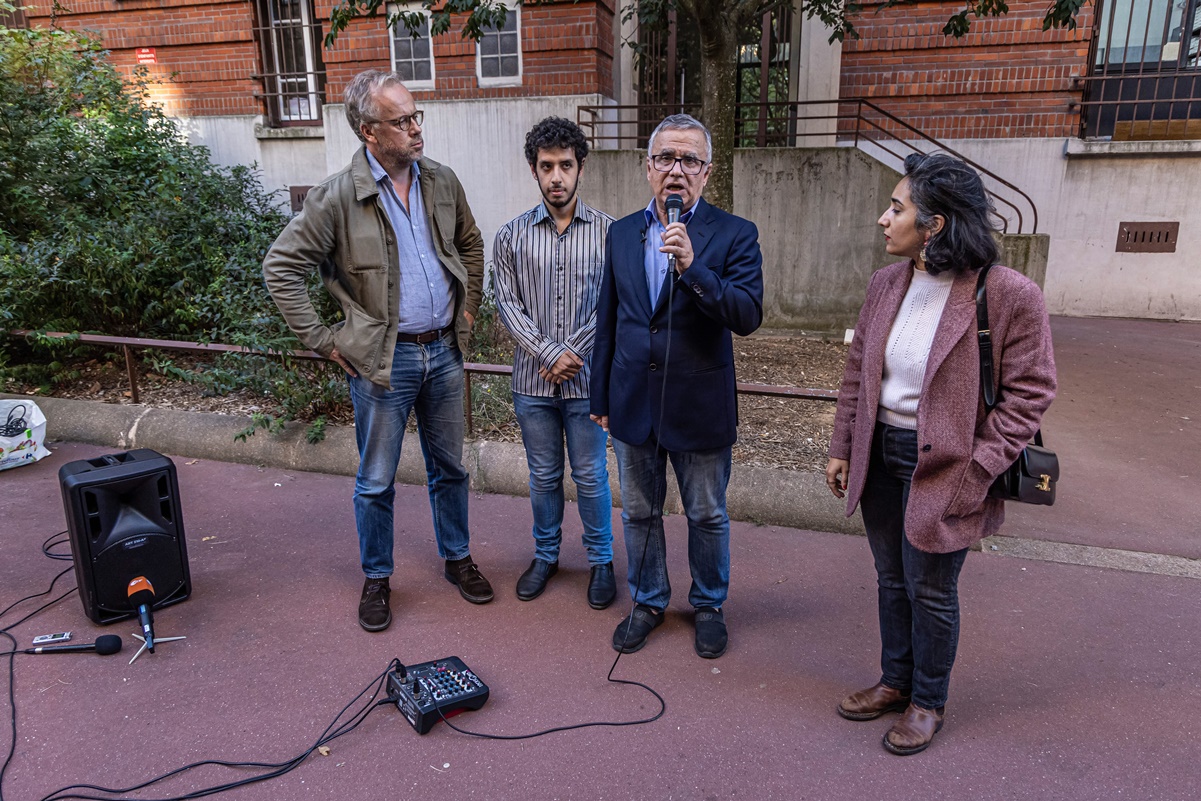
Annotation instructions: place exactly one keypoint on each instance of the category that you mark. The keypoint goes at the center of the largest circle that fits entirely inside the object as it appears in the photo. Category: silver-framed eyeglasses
(406, 122)
(691, 165)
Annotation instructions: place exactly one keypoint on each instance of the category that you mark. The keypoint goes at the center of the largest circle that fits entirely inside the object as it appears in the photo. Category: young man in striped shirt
(547, 266)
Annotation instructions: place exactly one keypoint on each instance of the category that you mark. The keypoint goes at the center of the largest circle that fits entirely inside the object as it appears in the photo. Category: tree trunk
(719, 24)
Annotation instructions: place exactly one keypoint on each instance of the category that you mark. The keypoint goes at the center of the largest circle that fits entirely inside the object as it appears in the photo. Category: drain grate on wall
(1147, 237)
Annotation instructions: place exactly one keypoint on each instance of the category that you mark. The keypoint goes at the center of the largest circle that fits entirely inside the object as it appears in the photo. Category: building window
(412, 50)
(498, 53)
(293, 74)
(1144, 77)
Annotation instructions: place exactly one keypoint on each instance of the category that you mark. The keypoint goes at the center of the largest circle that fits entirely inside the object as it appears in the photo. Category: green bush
(111, 222)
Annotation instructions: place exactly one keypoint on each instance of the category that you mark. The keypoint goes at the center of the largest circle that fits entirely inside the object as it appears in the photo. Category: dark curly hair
(554, 133)
(942, 185)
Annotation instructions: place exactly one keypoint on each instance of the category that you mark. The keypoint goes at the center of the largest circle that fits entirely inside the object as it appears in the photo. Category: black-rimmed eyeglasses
(691, 165)
(406, 122)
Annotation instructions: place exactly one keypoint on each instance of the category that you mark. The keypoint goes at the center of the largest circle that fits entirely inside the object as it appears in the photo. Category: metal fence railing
(129, 345)
(854, 122)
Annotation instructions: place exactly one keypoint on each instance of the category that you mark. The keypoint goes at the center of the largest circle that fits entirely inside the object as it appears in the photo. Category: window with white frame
(412, 50)
(498, 53)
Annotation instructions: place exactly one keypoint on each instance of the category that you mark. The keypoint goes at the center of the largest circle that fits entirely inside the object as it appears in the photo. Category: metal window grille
(293, 74)
(412, 53)
(1144, 78)
(500, 49)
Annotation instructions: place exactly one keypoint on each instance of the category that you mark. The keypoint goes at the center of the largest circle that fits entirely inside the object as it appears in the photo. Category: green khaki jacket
(344, 233)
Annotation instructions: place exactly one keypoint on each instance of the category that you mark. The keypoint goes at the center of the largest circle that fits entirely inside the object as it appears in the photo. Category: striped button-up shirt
(547, 286)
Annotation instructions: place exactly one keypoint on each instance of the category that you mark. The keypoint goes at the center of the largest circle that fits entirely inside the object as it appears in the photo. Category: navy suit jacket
(635, 380)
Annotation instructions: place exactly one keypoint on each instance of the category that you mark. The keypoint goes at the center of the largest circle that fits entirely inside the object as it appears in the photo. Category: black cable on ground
(273, 769)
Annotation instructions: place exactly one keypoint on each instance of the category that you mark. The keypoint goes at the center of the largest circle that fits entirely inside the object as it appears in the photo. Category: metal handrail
(592, 120)
(128, 344)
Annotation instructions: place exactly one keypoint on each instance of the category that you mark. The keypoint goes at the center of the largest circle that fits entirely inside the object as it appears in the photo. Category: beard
(563, 200)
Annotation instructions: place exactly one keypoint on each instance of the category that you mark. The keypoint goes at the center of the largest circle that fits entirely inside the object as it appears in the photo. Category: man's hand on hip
(335, 356)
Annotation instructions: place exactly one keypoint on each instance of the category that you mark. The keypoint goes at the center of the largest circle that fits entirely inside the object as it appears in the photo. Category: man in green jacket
(398, 248)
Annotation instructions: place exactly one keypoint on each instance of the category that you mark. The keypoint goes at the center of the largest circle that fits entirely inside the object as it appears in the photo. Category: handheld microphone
(673, 206)
(105, 644)
(141, 598)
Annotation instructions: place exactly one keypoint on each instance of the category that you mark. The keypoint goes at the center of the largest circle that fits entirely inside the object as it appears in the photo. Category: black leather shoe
(374, 614)
(711, 637)
(602, 587)
(632, 632)
(472, 584)
(533, 580)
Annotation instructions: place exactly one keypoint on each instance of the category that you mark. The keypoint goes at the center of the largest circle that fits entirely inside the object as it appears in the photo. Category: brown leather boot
(873, 702)
(914, 731)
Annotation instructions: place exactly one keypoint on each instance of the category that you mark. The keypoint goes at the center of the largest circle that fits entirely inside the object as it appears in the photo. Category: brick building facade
(215, 58)
(1007, 78)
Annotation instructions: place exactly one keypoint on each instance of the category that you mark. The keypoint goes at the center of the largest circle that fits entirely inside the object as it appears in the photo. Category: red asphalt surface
(1071, 682)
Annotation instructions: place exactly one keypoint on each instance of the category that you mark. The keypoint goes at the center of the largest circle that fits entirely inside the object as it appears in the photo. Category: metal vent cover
(1147, 237)
(297, 194)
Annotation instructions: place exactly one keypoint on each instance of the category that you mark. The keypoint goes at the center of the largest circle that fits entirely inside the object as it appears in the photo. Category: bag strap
(984, 340)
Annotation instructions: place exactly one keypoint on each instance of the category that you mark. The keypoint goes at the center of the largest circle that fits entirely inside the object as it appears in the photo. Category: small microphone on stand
(673, 206)
(141, 598)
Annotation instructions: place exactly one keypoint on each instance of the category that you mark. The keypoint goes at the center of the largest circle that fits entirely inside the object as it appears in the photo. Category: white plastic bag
(22, 433)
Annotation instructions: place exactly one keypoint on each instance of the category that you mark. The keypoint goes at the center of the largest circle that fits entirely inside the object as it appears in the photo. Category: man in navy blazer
(663, 376)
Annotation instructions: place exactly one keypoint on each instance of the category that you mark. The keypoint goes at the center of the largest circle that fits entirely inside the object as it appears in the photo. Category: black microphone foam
(107, 644)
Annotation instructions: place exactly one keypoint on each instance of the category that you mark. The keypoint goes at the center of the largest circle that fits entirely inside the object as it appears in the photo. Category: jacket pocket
(361, 339)
(445, 216)
(973, 491)
(368, 249)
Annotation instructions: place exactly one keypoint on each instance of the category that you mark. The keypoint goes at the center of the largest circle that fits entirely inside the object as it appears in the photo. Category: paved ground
(1072, 683)
(1127, 428)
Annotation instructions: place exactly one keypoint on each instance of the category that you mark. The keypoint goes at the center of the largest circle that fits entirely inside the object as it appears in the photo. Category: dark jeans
(918, 591)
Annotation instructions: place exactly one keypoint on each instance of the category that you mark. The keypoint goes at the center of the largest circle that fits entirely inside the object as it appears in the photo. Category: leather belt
(423, 339)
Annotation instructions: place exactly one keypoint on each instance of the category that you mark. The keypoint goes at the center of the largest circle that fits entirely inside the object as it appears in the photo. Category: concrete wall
(1082, 199)
(816, 210)
(482, 141)
(286, 156)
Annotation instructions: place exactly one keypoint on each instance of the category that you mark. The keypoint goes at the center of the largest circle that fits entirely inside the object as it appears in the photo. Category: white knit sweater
(908, 347)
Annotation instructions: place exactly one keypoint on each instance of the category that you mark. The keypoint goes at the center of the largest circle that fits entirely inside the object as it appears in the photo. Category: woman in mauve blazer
(913, 445)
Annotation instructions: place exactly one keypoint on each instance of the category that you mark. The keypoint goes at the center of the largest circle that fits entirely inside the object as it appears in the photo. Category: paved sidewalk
(1072, 682)
(1127, 427)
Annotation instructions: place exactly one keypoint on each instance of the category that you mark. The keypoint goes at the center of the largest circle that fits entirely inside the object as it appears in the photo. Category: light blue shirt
(427, 298)
(653, 261)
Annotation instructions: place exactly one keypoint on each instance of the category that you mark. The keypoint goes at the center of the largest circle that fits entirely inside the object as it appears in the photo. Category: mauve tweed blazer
(960, 448)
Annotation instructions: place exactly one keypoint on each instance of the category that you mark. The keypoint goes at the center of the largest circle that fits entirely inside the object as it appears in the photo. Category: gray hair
(681, 122)
(359, 97)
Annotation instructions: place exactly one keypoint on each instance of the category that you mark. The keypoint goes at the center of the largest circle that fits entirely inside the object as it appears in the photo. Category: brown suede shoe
(914, 731)
(873, 702)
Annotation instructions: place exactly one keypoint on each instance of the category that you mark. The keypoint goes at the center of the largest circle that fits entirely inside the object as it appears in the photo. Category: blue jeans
(702, 477)
(545, 423)
(429, 379)
(918, 591)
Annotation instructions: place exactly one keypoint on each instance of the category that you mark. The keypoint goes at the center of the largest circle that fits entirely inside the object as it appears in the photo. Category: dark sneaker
(711, 637)
(472, 584)
(602, 587)
(632, 632)
(374, 614)
(533, 580)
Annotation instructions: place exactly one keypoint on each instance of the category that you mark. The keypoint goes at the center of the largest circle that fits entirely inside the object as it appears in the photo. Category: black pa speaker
(124, 521)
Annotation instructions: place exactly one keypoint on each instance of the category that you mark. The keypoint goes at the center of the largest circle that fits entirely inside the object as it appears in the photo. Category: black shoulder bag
(1031, 479)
